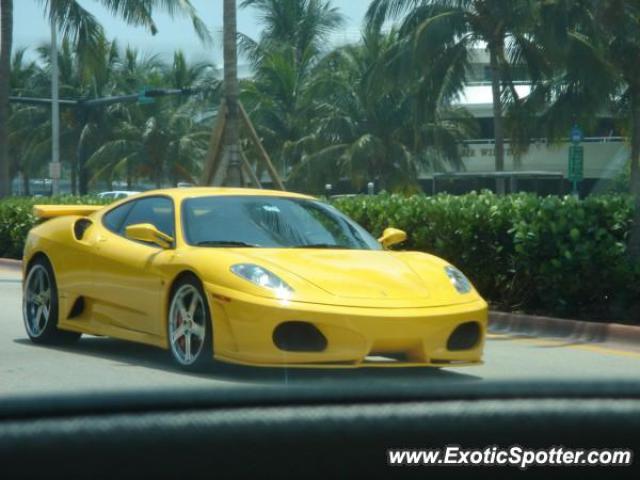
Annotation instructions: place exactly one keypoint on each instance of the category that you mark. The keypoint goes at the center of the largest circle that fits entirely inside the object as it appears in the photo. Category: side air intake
(78, 308)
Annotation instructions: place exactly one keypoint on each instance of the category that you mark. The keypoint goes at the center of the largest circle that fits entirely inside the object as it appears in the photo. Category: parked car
(116, 194)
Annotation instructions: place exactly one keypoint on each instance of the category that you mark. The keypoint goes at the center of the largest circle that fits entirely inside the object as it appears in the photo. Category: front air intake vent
(464, 337)
(299, 337)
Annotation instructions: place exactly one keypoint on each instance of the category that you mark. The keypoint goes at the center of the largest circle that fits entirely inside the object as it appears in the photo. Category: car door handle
(101, 238)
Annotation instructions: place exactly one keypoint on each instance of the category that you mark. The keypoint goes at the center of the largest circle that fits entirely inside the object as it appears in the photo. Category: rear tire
(40, 306)
(189, 327)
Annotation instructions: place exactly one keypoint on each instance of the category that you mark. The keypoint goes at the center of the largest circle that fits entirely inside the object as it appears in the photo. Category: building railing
(487, 83)
(544, 141)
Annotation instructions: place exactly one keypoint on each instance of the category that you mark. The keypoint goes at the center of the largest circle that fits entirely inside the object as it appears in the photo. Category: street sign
(55, 170)
(576, 135)
(143, 99)
(575, 171)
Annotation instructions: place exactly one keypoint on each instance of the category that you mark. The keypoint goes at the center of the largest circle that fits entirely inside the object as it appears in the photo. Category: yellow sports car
(253, 277)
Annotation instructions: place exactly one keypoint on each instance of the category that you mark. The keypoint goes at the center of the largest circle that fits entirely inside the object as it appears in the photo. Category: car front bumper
(244, 327)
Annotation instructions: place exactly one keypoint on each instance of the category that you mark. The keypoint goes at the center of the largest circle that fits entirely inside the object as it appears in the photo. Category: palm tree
(29, 142)
(82, 28)
(6, 34)
(291, 44)
(136, 70)
(369, 126)
(502, 26)
(83, 129)
(26, 122)
(280, 101)
(22, 79)
(231, 90)
(303, 25)
(619, 21)
(175, 125)
(23, 73)
(597, 71)
(166, 140)
(168, 144)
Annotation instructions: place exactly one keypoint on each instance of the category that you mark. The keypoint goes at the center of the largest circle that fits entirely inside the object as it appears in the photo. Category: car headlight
(261, 277)
(458, 280)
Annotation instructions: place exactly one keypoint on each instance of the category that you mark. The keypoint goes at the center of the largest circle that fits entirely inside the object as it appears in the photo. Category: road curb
(575, 330)
(11, 264)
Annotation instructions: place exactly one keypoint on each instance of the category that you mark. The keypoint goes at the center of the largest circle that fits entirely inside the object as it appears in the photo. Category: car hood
(361, 277)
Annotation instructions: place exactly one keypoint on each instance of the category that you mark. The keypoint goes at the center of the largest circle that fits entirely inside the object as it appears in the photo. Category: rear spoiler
(50, 211)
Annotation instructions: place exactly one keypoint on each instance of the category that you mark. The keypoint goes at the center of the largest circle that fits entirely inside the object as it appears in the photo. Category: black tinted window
(113, 220)
(157, 211)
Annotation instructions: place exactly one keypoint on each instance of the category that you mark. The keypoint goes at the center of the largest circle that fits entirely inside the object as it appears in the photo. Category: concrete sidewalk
(10, 270)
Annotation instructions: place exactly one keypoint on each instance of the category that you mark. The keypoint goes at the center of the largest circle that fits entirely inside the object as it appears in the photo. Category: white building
(605, 155)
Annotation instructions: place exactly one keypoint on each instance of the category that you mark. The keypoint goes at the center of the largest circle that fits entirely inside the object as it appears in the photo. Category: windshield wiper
(224, 243)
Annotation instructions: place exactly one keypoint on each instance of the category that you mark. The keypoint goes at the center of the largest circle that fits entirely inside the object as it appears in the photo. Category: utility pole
(575, 170)
(54, 167)
(6, 34)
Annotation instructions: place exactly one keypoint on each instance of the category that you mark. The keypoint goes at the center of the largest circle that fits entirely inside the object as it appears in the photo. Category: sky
(31, 29)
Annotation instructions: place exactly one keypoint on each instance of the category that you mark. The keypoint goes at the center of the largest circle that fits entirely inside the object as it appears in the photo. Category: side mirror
(391, 236)
(146, 232)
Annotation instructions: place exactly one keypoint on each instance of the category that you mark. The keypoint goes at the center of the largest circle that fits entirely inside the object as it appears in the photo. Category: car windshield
(270, 222)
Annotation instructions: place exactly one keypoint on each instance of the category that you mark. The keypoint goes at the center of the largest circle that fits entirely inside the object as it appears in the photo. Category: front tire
(40, 306)
(189, 326)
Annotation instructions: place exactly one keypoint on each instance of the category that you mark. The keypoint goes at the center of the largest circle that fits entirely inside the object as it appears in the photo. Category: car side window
(114, 218)
(157, 211)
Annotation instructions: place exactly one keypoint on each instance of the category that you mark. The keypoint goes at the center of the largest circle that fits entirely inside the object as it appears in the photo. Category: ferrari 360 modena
(252, 277)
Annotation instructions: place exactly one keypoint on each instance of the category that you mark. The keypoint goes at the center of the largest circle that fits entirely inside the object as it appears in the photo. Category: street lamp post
(54, 167)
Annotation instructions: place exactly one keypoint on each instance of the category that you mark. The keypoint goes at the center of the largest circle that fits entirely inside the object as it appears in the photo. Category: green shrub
(16, 219)
(548, 255)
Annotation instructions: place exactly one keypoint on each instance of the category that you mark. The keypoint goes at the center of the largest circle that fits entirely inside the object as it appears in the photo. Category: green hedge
(547, 255)
(16, 219)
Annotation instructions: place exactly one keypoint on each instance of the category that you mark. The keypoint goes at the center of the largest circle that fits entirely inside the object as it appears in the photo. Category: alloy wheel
(187, 324)
(36, 304)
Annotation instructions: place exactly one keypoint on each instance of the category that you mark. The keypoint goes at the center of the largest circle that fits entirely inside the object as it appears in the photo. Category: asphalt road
(99, 364)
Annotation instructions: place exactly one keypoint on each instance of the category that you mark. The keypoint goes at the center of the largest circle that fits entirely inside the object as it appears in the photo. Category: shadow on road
(131, 354)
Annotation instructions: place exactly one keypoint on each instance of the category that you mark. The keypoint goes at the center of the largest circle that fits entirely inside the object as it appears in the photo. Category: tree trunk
(129, 177)
(74, 178)
(83, 177)
(25, 183)
(495, 49)
(232, 143)
(6, 38)
(517, 161)
(634, 183)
